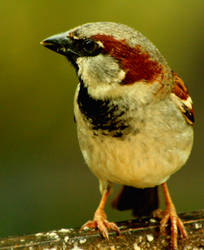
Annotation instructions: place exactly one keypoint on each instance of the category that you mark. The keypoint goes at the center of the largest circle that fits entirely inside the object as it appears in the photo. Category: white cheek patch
(100, 72)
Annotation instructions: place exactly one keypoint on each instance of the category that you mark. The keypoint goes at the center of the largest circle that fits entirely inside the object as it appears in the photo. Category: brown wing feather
(182, 98)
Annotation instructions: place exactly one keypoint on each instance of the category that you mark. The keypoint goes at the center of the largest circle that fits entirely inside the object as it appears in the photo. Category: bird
(134, 119)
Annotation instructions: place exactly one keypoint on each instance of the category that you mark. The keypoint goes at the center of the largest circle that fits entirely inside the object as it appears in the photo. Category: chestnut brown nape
(137, 63)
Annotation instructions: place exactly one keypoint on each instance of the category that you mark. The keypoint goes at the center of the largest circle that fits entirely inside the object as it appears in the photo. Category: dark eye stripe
(86, 47)
(89, 45)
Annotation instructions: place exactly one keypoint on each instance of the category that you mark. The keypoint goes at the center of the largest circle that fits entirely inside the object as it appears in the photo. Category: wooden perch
(136, 234)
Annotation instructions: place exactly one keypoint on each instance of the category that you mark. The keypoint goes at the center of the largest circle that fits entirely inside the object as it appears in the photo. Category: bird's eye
(90, 47)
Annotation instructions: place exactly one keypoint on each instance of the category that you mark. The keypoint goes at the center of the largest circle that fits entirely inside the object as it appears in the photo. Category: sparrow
(134, 118)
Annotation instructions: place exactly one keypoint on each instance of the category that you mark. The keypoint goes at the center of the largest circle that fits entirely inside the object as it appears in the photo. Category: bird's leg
(100, 221)
(170, 214)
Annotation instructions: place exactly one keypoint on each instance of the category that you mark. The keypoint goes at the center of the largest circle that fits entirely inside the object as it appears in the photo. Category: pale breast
(146, 155)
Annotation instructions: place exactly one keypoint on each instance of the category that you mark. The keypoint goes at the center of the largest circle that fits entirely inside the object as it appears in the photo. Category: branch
(136, 234)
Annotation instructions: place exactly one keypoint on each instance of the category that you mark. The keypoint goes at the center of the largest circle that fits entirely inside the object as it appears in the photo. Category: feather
(182, 99)
(141, 201)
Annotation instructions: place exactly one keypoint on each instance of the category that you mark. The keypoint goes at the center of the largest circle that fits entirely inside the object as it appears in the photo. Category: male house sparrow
(134, 118)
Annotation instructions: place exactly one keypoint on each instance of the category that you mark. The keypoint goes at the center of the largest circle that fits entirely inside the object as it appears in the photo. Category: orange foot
(176, 223)
(101, 223)
(169, 214)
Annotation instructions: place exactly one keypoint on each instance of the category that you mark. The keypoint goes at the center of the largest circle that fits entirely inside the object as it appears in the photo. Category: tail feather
(142, 201)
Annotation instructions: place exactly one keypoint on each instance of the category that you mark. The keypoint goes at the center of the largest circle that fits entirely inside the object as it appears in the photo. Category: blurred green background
(44, 183)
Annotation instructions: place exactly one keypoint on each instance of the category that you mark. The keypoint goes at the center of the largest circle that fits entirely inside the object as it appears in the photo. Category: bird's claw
(170, 214)
(103, 225)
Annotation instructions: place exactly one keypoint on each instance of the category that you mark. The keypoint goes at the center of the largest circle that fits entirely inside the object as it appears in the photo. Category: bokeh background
(44, 183)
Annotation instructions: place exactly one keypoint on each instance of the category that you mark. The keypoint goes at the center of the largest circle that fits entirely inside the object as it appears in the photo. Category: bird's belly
(151, 149)
(136, 160)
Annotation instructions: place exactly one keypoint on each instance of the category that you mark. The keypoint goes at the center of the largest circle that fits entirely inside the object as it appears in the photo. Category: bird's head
(108, 55)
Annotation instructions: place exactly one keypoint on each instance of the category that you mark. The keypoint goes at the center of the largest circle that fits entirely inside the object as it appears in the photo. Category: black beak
(61, 44)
